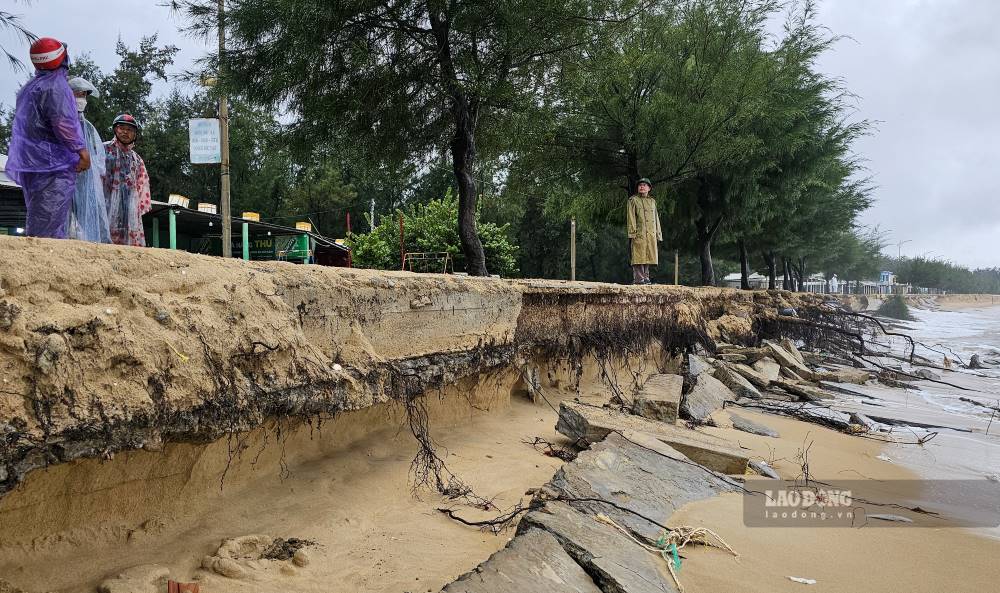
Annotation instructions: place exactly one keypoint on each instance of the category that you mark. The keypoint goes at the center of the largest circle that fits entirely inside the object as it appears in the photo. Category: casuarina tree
(407, 79)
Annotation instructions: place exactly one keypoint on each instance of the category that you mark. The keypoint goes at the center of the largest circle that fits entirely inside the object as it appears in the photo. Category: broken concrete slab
(648, 483)
(660, 398)
(804, 391)
(792, 349)
(615, 562)
(736, 382)
(707, 396)
(845, 375)
(532, 561)
(768, 368)
(787, 360)
(698, 365)
(747, 425)
(732, 357)
(590, 424)
(790, 374)
(758, 380)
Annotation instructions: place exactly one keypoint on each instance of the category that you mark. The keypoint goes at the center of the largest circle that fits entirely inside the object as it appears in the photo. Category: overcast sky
(925, 70)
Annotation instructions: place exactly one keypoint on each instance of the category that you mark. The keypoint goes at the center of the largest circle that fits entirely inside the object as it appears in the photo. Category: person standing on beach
(47, 147)
(88, 218)
(126, 184)
(643, 232)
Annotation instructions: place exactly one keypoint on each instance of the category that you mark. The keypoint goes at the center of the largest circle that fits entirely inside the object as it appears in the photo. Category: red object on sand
(175, 587)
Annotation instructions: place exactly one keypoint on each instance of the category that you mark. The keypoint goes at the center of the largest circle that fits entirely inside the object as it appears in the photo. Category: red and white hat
(47, 53)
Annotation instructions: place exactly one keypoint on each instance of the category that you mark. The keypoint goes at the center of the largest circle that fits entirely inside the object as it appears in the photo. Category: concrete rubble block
(792, 349)
(697, 365)
(589, 424)
(804, 391)
(768, 368)
(845, 375)
(732, 357)
(758, 380)
(707, 396)
(660, 398)
(532, 561)
(790, 374)
(642, 479)
(787, 360)
(735, 381)
(747, 425)
(615, 562)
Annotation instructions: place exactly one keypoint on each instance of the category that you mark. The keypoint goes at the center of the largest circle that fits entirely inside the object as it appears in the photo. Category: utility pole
(572, 249)
(677, 268)
(372, 219)
(227, 216)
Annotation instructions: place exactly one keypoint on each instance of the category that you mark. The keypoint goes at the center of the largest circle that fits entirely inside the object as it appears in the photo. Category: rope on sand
(673, 540)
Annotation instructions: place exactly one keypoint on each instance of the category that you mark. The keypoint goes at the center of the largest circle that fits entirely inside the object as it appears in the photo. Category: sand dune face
(106, 349)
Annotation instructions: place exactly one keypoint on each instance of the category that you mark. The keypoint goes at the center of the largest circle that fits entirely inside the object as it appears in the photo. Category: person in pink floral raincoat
(126, 184)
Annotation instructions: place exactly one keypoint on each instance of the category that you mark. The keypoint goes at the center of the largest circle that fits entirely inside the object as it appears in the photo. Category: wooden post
(572, 249)
(677, 268)
(172, 227)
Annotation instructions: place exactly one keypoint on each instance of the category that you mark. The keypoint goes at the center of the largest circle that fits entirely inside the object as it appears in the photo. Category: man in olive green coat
(643, 231)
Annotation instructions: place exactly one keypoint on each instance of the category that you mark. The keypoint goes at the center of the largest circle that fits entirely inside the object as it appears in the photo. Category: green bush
(432, 227)
(895, 307)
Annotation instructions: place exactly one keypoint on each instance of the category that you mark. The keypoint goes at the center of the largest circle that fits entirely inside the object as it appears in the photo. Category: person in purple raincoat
(47, 147)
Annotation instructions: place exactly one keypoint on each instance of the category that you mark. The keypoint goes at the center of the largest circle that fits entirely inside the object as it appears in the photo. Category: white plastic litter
(803, 581)
(884, 457)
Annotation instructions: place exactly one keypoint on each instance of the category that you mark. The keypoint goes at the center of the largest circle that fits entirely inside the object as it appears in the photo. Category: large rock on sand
(698, 366)
(660, 398)
(707, 396)
(532, 561)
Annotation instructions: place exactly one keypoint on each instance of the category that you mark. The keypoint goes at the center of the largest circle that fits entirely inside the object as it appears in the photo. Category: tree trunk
(463, 154)
(706, 233)
(744, 265)
(772, 269)
(786, 282)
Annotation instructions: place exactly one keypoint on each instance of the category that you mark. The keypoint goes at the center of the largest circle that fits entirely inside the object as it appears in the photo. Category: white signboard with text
(206, 141)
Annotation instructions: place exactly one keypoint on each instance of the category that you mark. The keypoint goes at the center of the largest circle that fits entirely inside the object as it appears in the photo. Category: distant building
(756, 281)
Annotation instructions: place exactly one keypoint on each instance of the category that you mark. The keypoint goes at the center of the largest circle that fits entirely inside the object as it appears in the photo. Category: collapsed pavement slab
(804, 391)
(532, 561)
(698, 366)
(645, 480)
(708, 395)
(736, 382)
(660, 398)
(590, 424)
(768, 368)
(787, 360)
(615, 562)
(747, 425)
